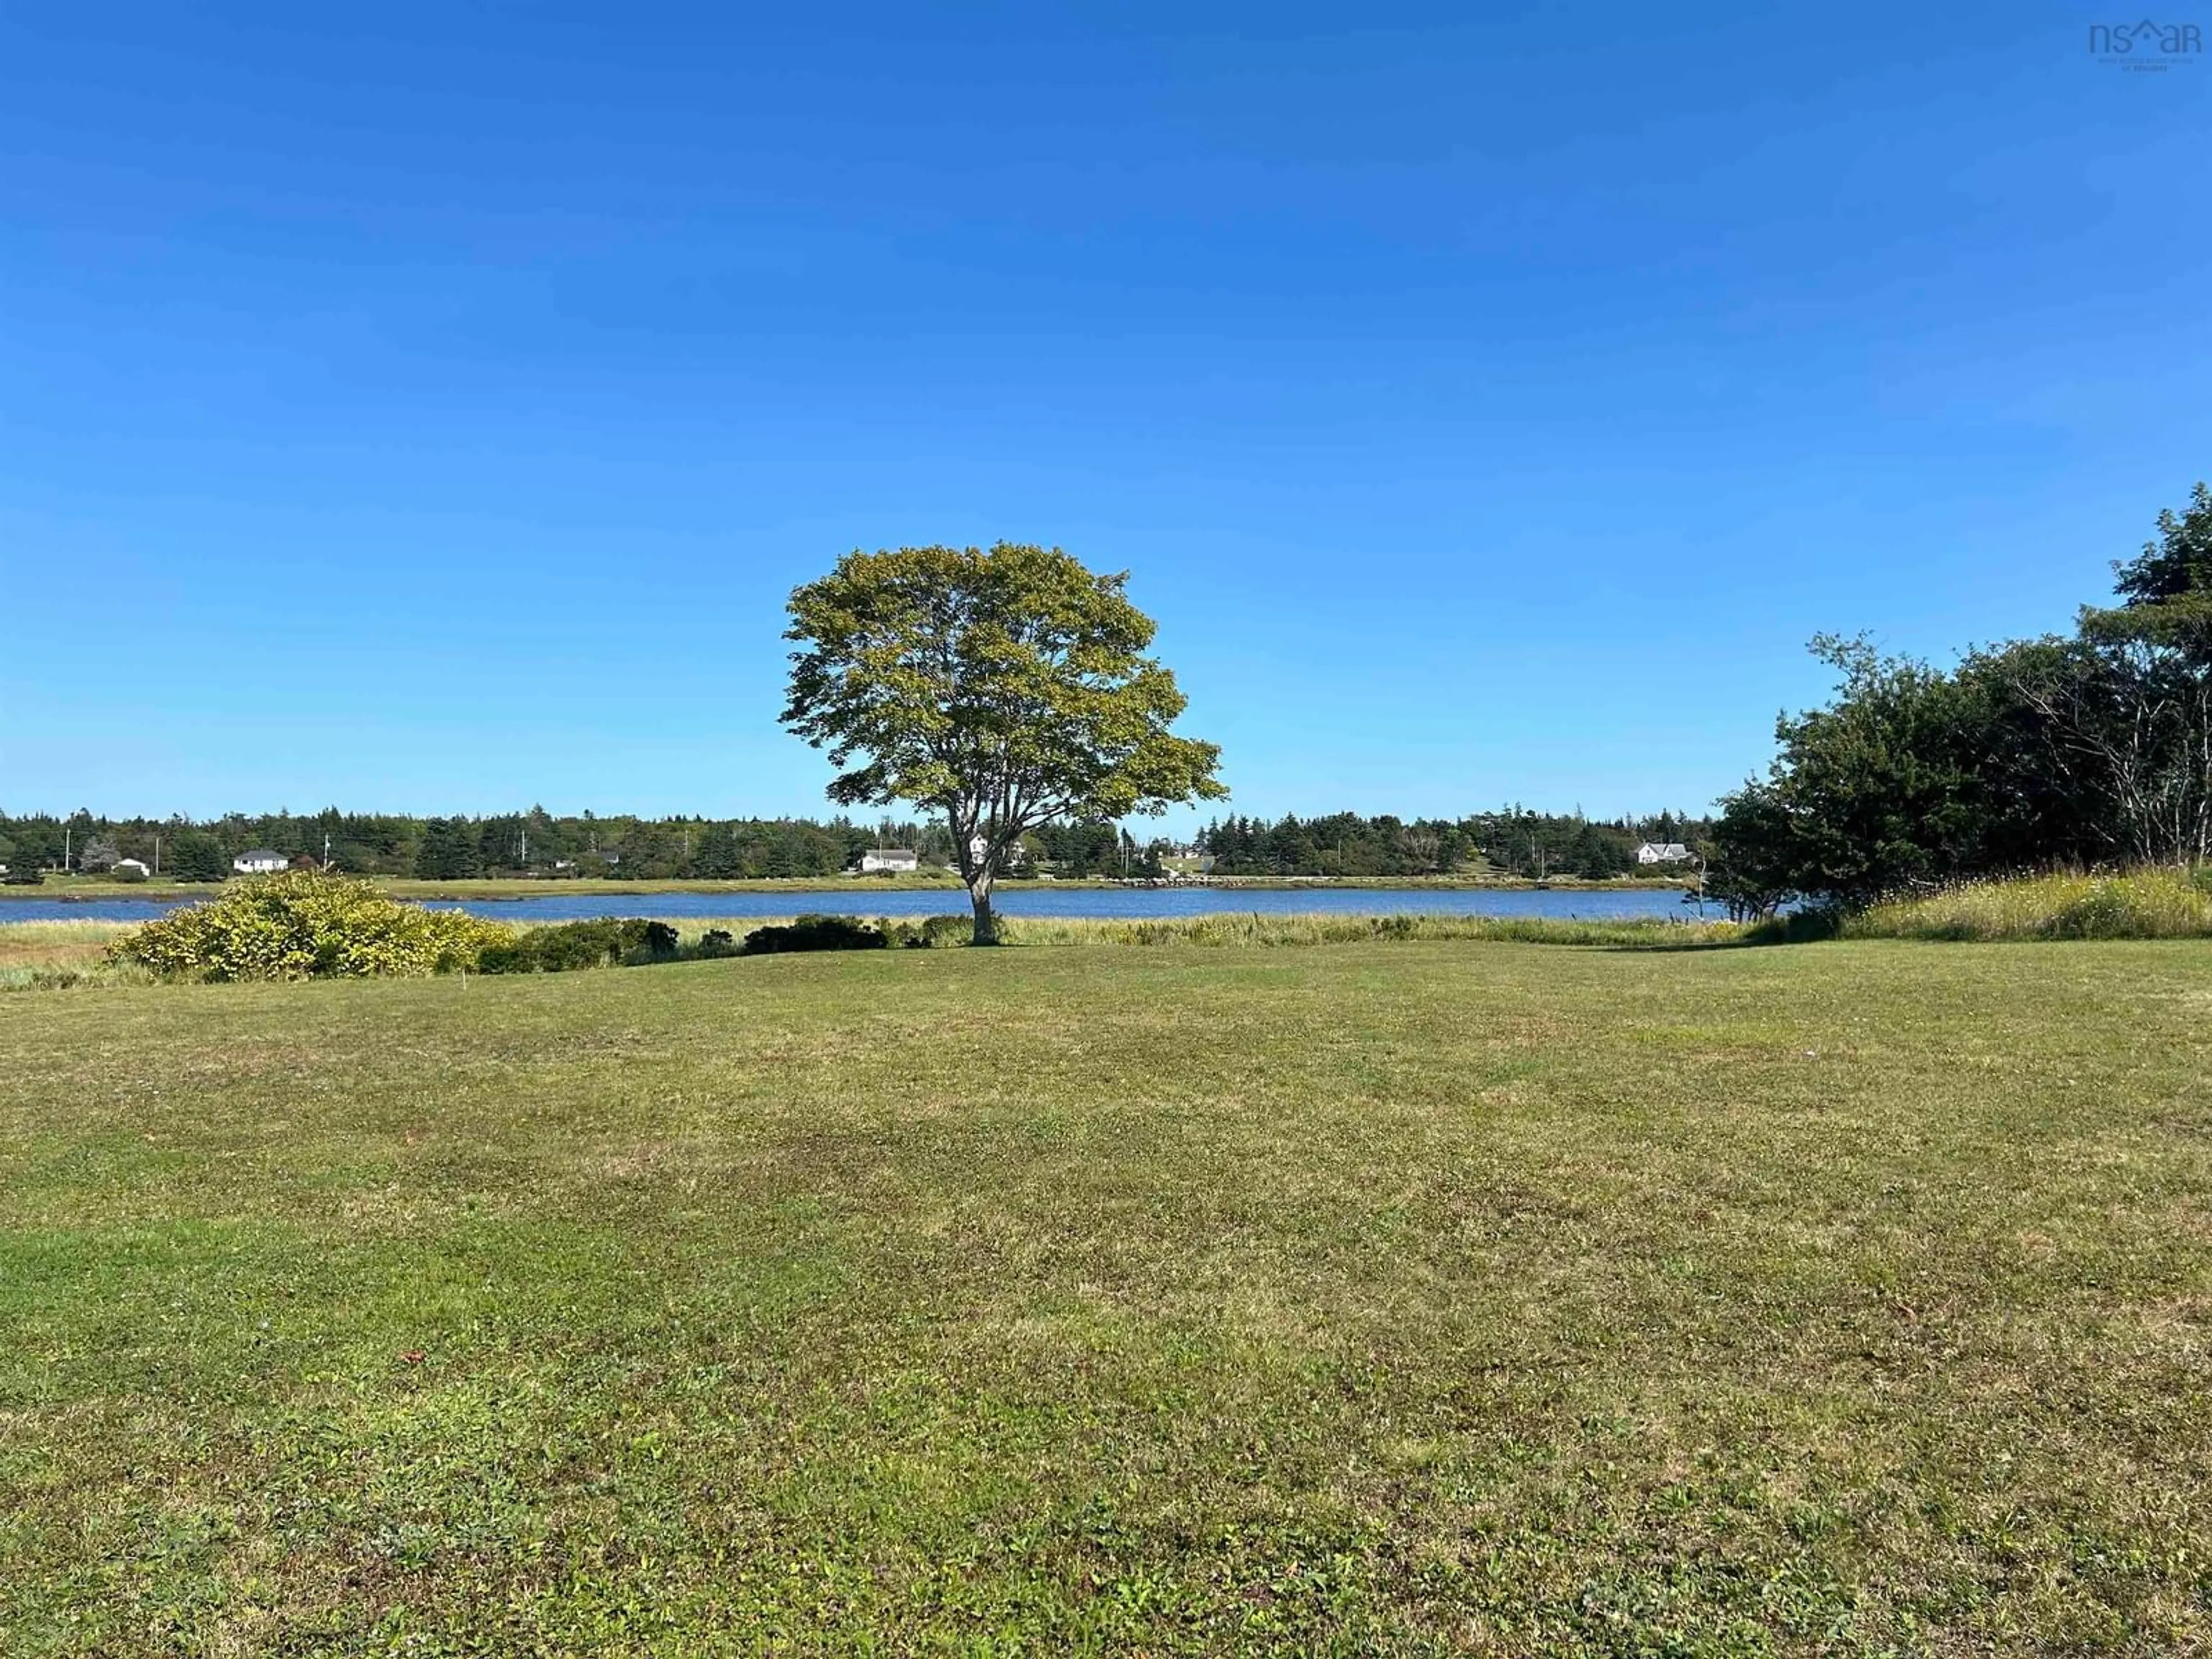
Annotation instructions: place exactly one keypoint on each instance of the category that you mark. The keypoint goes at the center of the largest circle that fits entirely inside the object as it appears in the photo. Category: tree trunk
(987, 925)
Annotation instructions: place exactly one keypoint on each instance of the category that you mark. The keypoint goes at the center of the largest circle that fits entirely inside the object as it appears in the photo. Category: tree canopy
(1005, 688)
(2085, 749)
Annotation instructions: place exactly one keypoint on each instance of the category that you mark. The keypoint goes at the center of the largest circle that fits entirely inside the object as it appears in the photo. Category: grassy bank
(64, 955)
(60, 953)
(1417, 1299)
(2139, 904)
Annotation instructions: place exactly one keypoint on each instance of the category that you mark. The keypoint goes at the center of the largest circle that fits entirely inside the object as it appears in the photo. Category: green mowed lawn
(1850, 1298)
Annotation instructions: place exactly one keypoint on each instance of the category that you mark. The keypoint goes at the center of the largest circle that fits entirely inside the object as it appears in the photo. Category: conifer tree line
(1513, 840)
(532, 843)
(537, 843)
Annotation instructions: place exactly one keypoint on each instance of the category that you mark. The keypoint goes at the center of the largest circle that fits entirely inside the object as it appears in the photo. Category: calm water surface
(1112, 902)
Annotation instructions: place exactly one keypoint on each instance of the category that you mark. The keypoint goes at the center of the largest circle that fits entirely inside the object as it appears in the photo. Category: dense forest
(1513, 840)
(539, 844)
(532, 843)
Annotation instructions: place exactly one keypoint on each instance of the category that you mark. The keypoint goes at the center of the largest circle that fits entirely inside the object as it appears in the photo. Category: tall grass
(41, 955)
(2135, 905)
(1248, 928)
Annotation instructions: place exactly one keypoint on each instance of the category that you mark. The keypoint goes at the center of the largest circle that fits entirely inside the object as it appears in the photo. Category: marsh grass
(58, 955)
(1247, 928)
(2064, 905)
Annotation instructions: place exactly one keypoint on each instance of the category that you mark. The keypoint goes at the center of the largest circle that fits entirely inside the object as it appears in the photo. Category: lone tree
(1004, 689)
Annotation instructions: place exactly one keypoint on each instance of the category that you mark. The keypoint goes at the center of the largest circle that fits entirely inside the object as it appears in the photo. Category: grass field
(1414, 1297)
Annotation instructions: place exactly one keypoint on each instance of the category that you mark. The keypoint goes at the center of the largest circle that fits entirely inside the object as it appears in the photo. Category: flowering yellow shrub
(301, 925)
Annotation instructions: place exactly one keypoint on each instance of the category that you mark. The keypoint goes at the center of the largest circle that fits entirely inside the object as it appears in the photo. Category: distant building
(896, 860)
(1662, 852)
(261, 862)
(127, 867)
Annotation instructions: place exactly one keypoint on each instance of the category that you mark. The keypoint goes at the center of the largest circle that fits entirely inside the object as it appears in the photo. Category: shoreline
(494, 889)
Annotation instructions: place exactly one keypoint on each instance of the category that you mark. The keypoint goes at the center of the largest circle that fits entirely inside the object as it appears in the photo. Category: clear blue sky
(429, 407)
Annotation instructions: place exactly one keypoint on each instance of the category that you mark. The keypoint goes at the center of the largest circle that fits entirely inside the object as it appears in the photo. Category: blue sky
(428, 408)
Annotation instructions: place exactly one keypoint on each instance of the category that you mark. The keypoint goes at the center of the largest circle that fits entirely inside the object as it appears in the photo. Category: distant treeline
(532, 843)
(1513, 840)
(537, 843)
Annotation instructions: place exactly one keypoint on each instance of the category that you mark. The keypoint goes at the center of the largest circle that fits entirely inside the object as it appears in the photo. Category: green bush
(930, 932)
(302, 925)
(24, 877)
(814, 933)
(597, 942)
(561, 948)
(717, 942)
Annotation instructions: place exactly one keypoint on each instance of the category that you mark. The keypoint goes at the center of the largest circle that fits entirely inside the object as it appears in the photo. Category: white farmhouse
(892, 861)
(261, 861)
(1662, 852)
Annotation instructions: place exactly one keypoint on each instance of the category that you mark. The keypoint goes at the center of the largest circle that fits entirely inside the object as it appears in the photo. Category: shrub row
(814, 932)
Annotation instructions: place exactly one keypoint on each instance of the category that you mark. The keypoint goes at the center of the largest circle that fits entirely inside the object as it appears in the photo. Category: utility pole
(157, 852)
(65, 849)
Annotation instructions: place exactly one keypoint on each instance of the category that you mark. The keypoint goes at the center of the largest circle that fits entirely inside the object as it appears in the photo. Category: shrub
(302, 925)
(561, 947)
(717, 942)
(23, 878)
(814, 933)
(596, 942)
(930, 932)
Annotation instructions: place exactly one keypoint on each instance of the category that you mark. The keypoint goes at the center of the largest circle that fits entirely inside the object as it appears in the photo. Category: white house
(896, 860)
(128, 867)
(1662, 852)
(261, 861)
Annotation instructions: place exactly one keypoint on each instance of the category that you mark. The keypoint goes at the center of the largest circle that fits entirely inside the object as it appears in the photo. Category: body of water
(1619, 904)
